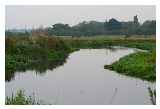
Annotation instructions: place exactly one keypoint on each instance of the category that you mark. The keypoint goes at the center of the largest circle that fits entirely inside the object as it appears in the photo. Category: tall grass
(20, 99)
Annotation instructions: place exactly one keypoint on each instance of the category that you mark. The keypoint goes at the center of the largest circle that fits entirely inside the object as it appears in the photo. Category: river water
(83, 80)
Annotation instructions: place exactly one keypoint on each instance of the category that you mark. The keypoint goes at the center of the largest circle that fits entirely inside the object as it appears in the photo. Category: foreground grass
(20, 99)
(139, 64)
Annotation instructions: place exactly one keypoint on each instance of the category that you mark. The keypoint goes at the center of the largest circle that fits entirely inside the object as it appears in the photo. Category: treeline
(111, 27)
(91, 28)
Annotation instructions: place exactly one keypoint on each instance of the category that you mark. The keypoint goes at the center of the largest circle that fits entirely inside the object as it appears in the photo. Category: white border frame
(3, 3)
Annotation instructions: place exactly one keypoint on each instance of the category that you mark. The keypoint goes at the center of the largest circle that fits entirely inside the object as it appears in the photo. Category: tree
(148, 27)
(60, 29)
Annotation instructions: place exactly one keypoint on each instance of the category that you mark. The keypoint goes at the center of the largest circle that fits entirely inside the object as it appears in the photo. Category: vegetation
(139, 64)
(96, 42)
(152, 94)
(20, 99)
(30, 52)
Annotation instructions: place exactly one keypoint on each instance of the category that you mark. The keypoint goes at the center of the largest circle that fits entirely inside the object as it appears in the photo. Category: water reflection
(38, 67)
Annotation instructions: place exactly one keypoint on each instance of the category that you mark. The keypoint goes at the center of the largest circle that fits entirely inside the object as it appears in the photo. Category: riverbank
(34, 53)
(140, 64)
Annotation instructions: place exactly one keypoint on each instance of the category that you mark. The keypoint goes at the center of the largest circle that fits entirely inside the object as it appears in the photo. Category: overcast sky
(35, 16)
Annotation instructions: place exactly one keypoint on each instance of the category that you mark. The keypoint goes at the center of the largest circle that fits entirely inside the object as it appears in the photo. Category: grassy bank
(140, 64)
(35, 53)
